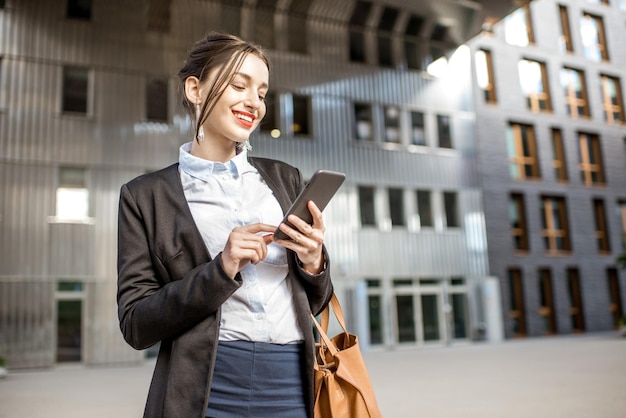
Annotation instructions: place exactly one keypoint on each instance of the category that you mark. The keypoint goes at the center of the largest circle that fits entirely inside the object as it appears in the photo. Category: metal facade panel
(115, 143)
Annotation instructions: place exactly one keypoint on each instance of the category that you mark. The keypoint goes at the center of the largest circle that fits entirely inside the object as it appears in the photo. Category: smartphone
(320, 189)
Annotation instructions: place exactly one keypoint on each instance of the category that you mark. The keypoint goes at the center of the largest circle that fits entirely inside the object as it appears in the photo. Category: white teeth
(244, 117)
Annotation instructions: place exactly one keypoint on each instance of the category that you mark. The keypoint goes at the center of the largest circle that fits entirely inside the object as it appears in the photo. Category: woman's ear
(192, 90)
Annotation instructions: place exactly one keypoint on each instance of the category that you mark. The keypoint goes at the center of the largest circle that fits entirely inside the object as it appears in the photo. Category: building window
(392, 124)
(270, 123)
(79, 9)
(264, 29)
(444, 131)
(593, 38)
(605, 2)
(517, 217)
(412, 42)
(72, 197)
(363, 122)
(396, 207)
(374, 298)
(424, 208)
(517, 310)
(554, 223)
(484, 75)
(621, 210)
(522, 150)
(534, 82)
(590, 157)
(558, 150)
(75, 89)
(575, 91)
(451, 206)
(367, 206)
(297, 41)
(612, 102)
(615, 295)
(157, 100)
(576, 313)
(358, 20)
(418, 136)
(518, 28)
(546, 301)
(301, 115)
(439, 43)
(385, 36)
(565, 41)
(602, 228)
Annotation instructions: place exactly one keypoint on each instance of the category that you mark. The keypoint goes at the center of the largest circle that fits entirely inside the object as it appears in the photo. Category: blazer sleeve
(153, 304)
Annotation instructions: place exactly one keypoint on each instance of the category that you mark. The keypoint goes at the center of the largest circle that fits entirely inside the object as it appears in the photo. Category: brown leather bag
(342, 384)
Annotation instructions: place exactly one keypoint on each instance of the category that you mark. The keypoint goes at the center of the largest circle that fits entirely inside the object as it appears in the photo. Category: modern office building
(551, 137)
(89, 100)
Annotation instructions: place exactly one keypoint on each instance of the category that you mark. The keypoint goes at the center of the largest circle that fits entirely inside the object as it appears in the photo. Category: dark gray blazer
(170, 290)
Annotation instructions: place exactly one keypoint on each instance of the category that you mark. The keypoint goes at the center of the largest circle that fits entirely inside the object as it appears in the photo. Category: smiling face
(241, 106)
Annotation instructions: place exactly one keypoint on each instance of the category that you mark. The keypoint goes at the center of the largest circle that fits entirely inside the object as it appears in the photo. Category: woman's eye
(262, 98)
(238, 87)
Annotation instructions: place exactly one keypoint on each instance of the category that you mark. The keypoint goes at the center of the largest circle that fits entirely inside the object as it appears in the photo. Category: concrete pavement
(566, 376)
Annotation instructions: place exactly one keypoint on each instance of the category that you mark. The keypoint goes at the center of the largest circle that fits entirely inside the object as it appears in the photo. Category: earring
(245, 145)
(199, 128)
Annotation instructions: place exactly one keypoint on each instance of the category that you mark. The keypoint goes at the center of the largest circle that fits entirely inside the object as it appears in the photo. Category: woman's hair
(218, 51)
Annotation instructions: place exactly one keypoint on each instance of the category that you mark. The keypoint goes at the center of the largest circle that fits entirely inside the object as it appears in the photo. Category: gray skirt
(257, 380)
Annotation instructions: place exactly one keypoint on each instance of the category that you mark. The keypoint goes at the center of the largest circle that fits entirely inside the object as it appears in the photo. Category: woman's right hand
(245, 245)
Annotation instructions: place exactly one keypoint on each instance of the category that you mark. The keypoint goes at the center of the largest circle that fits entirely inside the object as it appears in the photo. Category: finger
(318, 220)
(256, 228)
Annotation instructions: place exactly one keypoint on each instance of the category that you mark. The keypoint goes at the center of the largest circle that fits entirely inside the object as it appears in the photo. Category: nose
(252, 100)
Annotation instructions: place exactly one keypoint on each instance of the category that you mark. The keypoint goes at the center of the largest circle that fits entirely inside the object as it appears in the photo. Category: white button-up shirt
(222, 196)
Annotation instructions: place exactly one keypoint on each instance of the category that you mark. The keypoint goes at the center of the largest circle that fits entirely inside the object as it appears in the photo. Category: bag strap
(323, 328)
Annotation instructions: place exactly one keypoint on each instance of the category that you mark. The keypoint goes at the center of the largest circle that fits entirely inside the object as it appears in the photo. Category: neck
(214, 152)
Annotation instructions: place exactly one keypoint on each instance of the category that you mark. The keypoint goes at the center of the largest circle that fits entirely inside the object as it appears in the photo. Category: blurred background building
(426, 229)
(552, 148)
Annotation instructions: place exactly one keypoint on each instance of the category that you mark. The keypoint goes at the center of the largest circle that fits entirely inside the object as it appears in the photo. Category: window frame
(575, 106)
(444, 131)
(149, 98)
(307, 127)
(589, 149)
(518, 161)
(600, 45)
(538, 100)
(612, 105)
(395, 126)
(397, 212)
(565, 39)
(73, 95)
(355, 112)
(369, 220)
(451, 208)
(519, 231)
(487, 85)
(559, 161)
(551, 205)
(425, 208)
(601, 226)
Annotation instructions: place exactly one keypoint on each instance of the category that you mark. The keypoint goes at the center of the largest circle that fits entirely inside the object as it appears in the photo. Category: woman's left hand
(306, 240)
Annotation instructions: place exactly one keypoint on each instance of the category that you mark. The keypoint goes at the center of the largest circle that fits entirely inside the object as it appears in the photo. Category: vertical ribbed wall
(114, 144)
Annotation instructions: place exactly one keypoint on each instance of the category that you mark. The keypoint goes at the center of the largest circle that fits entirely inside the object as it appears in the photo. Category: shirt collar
(203, 169)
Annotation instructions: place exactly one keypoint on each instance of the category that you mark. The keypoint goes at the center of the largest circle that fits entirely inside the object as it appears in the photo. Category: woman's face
(241, 107)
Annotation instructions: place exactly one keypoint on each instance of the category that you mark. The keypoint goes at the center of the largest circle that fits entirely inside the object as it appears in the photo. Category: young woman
(199, 269)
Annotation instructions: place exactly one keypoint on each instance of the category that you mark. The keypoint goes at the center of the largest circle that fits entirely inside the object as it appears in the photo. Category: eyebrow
(249, 78)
